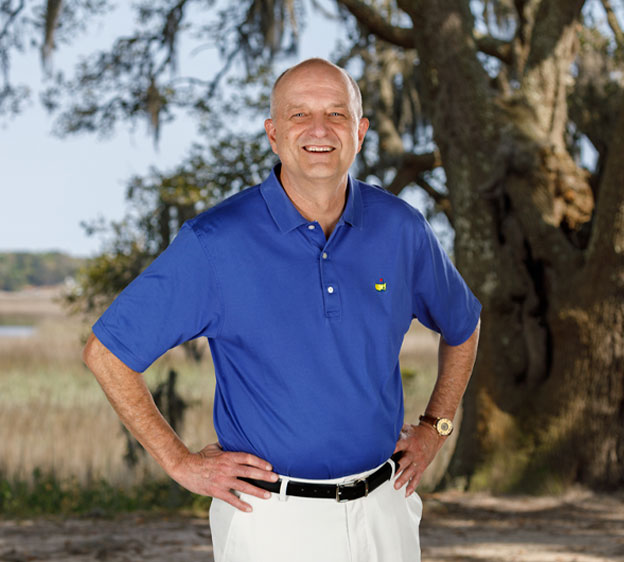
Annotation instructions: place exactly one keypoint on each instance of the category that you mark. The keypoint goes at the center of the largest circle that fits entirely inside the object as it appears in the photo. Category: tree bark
(546, 404)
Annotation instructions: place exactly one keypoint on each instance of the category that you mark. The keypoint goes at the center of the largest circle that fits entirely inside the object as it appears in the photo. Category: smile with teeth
(318, 148)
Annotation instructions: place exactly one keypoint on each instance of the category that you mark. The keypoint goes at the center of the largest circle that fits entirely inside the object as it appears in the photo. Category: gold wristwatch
(443, 426)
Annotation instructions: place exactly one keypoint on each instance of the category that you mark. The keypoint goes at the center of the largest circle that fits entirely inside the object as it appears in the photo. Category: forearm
(455, 365)
(209, 472)
(420, 443)
(130, 397)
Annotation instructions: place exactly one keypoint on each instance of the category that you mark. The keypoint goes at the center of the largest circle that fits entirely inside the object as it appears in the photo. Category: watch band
(428, 419)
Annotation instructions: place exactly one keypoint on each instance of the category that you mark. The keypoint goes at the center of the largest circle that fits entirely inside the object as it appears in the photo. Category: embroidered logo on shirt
(381, 286)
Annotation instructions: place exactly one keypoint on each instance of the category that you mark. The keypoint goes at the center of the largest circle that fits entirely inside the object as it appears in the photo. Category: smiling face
(316, 128)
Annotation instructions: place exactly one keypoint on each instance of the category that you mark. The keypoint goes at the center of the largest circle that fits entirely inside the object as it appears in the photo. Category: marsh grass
(61, 444)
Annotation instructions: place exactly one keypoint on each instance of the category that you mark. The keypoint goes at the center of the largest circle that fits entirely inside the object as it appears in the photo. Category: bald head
(315, 63)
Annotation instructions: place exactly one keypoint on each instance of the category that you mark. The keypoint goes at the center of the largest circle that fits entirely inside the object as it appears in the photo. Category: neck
(321, 201)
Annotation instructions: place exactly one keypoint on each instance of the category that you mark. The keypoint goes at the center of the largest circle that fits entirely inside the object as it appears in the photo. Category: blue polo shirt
(304, 332)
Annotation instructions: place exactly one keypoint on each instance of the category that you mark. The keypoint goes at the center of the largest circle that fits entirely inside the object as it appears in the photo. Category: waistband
(346, 488)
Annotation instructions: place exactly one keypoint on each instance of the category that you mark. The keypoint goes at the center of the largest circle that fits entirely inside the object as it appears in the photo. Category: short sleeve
(442, 300)
(175, 299)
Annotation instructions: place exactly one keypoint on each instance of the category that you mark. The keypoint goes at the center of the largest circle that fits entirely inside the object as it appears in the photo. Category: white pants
(382, 527)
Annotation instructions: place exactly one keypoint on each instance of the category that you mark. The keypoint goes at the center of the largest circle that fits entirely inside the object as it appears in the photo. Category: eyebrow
(291, 107)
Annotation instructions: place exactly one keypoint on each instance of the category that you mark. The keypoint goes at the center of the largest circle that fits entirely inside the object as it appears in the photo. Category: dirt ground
(577, 527)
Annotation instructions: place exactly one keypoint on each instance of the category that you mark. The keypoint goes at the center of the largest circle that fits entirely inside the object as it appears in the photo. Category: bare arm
(420, 443)
(210, 472)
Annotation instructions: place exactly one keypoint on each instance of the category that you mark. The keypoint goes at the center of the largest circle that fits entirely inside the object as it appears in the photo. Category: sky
(49, 185)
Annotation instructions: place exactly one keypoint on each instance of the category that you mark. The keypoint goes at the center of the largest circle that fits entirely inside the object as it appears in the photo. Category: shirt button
(330, 289)
(324, 255)
(311, 227)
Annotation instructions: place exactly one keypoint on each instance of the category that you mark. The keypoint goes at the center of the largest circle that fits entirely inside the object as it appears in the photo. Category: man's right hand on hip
(215, 472)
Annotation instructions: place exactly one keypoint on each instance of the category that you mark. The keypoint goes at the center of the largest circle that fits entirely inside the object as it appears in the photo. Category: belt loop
(393, 465)
(283, 486)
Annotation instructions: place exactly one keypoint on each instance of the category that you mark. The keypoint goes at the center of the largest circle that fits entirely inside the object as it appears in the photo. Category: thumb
(400, 446)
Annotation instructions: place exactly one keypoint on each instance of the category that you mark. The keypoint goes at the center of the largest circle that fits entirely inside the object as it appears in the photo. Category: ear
(269, 127)
(362, 128)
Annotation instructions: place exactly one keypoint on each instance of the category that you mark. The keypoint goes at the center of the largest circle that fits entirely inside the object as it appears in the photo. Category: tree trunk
(546, 404)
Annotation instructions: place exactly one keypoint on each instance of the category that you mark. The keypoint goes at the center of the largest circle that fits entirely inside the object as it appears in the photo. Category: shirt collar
(286, 215)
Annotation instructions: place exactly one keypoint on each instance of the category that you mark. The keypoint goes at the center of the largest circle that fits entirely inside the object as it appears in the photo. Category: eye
(299, 114)
(336, 114)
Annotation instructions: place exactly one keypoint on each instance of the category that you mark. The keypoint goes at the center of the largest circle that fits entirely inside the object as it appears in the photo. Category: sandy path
(578, 527)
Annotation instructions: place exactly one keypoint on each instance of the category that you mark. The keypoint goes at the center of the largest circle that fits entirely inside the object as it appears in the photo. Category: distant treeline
(22, 269)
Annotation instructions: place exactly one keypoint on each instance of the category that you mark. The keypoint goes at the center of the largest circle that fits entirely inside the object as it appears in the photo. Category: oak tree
(487, 107)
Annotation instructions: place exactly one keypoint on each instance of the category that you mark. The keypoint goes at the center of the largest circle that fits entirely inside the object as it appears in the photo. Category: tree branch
(169, 33)
(607, 242)
(553, 48)
(377, 24)
(411, 171)
(11, 16)
(411, 168)
(442, 201)
(52, 13)
(494, 47)
(613, 23)
(552, 20)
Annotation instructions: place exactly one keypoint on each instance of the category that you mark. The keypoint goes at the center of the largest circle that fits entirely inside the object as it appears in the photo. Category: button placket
(315, 234)
(329, 285)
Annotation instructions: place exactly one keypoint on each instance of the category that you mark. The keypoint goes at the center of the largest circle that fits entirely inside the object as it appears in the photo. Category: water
(16, 331)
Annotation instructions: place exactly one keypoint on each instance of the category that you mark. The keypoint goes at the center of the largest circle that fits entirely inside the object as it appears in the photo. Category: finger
(404, 462)
(400, 446)
(398, 454)
(405, 476)
(250, 460)
(247, 488)
(255, 473)
(234, 500)
(402, 442)
(413, 484)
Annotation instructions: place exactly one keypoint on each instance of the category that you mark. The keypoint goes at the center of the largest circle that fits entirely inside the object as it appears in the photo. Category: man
(305, 286)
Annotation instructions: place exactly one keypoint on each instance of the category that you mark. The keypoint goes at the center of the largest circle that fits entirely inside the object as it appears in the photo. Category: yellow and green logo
(381, 286)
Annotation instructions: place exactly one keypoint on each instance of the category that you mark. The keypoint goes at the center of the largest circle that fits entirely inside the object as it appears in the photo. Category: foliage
(137, 77)
(22, 269)
(38, 25)
(47, 495)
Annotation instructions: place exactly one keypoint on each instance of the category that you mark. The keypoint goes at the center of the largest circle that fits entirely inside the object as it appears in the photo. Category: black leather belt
(340, 492)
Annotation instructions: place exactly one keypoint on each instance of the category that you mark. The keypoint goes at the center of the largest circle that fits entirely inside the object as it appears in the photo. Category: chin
(323, 175)
(322, 170)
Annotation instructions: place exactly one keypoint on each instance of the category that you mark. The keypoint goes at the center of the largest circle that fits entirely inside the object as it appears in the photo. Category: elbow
(474, 338)
(88, 350)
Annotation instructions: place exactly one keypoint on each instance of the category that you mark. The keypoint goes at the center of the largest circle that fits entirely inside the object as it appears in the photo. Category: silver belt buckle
(353, 484)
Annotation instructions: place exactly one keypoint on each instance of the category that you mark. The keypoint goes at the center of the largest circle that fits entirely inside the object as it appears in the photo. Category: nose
(318, 126)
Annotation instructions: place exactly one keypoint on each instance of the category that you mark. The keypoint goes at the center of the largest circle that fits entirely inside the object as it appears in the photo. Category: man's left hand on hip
(420, 444)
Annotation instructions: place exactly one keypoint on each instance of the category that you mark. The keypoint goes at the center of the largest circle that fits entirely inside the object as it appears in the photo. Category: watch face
(444, 426)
